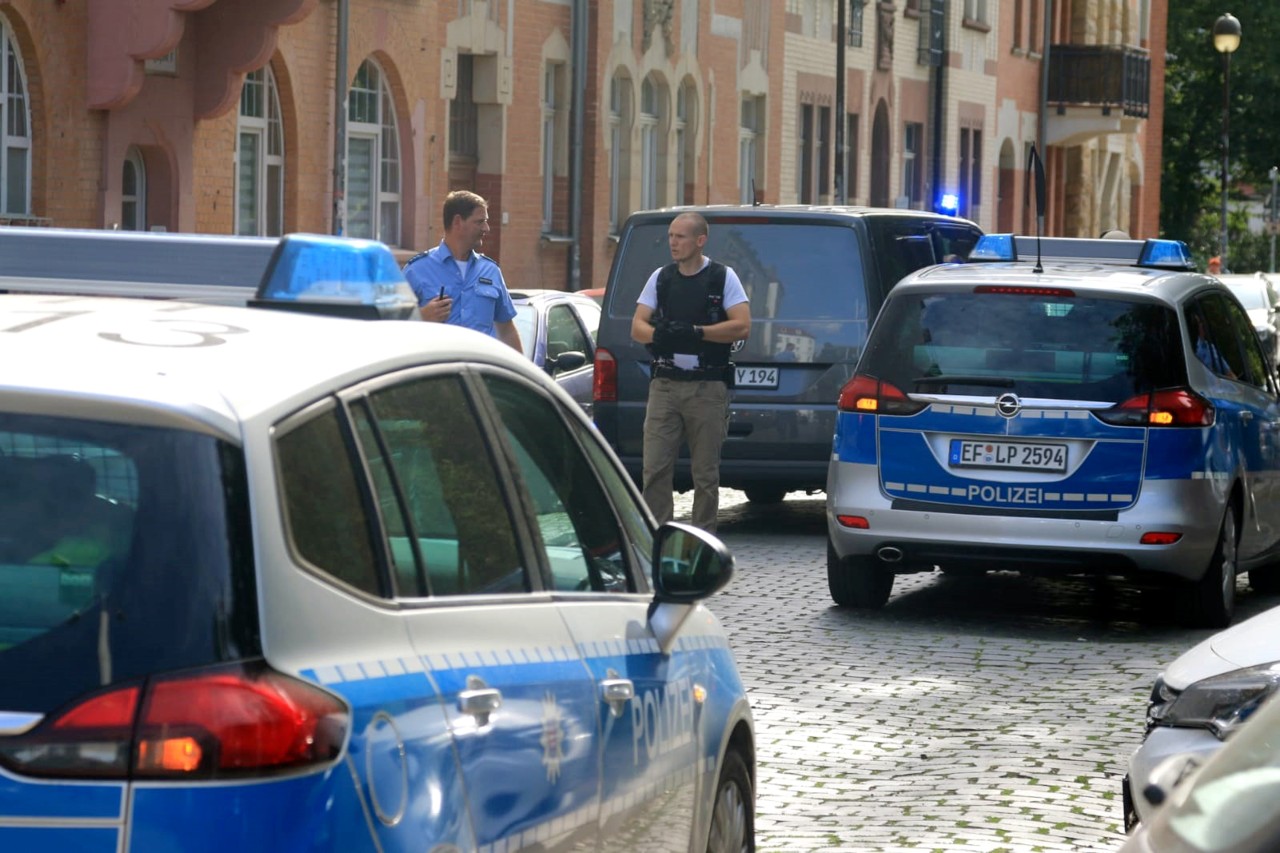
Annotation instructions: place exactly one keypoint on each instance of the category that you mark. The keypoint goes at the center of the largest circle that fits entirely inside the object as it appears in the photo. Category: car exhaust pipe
(890, 554)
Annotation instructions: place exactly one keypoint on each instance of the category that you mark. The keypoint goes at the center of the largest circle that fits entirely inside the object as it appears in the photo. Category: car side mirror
(565, 362)
(689, 564)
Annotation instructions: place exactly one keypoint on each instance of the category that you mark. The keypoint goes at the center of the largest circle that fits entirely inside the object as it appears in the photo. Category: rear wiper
(948, 379)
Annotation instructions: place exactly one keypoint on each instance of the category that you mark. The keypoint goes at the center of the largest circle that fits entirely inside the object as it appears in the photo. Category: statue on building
(884, 35)
(659, 14)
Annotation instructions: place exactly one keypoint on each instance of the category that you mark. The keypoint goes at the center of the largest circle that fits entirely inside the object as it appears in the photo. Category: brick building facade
(224, 116)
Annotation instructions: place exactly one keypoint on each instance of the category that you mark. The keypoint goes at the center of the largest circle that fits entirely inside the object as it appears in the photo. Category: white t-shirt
(734, 294)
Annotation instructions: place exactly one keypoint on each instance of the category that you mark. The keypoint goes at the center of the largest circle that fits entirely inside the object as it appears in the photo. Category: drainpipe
(1042, 147)
(841, 196)
(938, 74)
(579, 48)
(340, 123)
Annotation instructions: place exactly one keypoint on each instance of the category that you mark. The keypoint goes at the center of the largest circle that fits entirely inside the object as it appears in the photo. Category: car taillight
(868, 395)
(604, 384)
(241, 719)
(1169, 407)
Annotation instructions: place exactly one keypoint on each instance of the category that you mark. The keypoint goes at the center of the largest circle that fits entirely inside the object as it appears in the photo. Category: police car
(281, 582)
(1064, 406)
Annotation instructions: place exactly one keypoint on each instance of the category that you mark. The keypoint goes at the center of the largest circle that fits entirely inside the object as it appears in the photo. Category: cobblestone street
(985, 714)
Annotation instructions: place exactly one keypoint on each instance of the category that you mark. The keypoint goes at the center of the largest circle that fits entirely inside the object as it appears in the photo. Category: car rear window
(1035, 345)
(124, 550)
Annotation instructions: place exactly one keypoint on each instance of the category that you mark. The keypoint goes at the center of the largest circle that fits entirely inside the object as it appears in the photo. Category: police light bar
(1153, 253)
(336, 276)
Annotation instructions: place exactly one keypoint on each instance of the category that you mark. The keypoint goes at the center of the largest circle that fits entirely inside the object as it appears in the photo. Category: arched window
(651, 153)
(260, 157)
(133, 192)
(619, 150)
(15, 129)
(373, 159)
(750, 149)
(686, 126)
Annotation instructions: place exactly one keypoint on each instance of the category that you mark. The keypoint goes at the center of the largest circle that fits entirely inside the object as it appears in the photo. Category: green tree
(1190, 185)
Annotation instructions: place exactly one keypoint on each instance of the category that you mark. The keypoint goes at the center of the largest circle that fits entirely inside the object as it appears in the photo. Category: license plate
(755, 377)
(1024, 456)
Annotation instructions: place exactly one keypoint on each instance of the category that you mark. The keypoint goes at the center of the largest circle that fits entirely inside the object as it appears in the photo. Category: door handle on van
(740, 429)
(479, 700)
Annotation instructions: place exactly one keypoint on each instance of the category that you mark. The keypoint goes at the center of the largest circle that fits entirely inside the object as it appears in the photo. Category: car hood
(1252, 642)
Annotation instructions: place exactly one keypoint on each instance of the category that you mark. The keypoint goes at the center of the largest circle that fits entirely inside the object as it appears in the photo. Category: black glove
(677, 335)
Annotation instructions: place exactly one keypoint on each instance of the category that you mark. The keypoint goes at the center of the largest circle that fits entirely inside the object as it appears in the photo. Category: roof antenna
(1035, 169)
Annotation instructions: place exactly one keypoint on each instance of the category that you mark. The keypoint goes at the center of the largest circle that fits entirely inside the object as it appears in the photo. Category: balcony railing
(1108, 76)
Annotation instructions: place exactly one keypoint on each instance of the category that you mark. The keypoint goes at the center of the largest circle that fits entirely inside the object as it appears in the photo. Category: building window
(15, 129)
(750, 151)
(804, 160)
(912, 133)
(970, 172)
(855, 25)
(1017, 25)
(260, 158)
(824, 151)
(1033, 26)
(650, 193)
(166, 65)
(463, 116)
(685, 128)
(851, 157)
(975, 11)
(554, 121)
(133, 193)
(373, 159)
(619, 150)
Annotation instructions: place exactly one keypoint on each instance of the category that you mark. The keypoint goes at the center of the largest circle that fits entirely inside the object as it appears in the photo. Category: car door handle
(616, 692)
(479, 700)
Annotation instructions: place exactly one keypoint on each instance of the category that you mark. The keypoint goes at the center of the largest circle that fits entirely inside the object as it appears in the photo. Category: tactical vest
(698, 299)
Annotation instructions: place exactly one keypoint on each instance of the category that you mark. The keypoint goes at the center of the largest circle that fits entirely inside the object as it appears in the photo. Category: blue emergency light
(949, 203)
(1153, 253)
(336, 276)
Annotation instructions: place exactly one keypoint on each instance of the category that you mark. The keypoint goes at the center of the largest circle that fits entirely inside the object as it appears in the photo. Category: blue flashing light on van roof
(338, 276)
(1154, 253)
(949, 203)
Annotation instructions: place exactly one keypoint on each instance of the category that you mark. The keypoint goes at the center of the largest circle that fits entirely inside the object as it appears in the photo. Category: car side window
(1213, 338)
(630, 507)
(583, 543)
(564, 334)
(1255, 363)
(328, 522)
(590, 314)
(441, 498)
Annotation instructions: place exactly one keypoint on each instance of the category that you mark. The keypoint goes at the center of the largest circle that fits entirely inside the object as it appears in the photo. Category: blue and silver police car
(1063, 406)
(281, 582)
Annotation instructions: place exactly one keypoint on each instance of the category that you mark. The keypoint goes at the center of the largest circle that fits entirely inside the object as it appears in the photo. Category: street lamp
(1226, 38)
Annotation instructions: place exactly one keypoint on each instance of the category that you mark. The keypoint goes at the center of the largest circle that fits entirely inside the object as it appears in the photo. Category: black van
(816, 277)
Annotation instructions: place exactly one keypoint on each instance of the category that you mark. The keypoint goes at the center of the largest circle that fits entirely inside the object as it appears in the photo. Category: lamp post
(1226, 38)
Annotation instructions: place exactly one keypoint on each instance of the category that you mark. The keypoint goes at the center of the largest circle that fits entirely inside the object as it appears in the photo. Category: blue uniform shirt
(480, 298)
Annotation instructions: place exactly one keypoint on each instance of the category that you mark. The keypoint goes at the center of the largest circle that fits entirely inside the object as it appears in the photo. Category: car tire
(733, 812)
(861, 582)
(1265, 581)
(765, 494)
(1211, 601)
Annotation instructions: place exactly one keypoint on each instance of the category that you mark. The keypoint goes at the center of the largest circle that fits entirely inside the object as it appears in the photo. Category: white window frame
(385, 199)
(15, 123)
(619, 152)
(648, 122)
(267, 127)
(912, 183)
(138, 198)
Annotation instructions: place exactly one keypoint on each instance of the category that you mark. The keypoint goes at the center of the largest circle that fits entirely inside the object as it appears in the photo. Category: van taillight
(868, 395)
(604, 383)
(1169, 407)
(236, 720)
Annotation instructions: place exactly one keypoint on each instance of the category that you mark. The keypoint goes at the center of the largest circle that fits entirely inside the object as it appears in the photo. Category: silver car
(558, 332)
(1197, 703)
(1059, 406)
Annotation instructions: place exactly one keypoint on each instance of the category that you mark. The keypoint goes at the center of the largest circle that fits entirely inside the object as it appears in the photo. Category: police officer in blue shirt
(455, 283)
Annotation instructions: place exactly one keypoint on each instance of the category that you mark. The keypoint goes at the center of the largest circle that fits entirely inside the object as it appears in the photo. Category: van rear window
(792, 271)
(1048, 346)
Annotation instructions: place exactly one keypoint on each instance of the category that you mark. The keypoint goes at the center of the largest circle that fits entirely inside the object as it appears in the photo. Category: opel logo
(736, 346)
(1008, 405)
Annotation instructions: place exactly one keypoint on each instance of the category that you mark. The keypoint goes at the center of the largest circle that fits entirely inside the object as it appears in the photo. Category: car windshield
(527, 324)
(1251, 297)
(1043, 345)
(124, 550)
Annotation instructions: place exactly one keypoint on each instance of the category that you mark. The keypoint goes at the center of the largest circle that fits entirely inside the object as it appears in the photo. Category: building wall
(185, 123)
